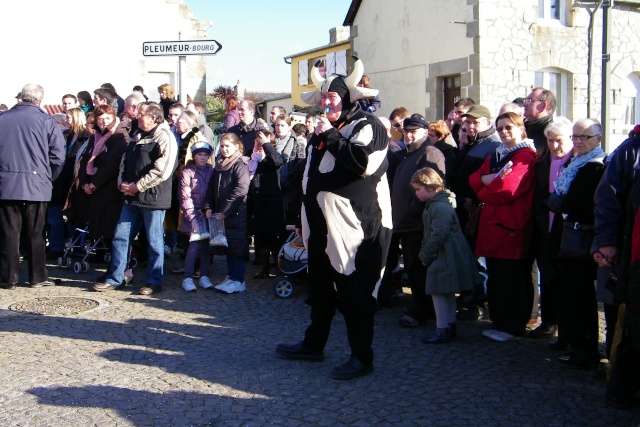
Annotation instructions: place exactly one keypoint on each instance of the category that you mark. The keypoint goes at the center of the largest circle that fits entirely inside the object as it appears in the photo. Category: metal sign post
(182, 48)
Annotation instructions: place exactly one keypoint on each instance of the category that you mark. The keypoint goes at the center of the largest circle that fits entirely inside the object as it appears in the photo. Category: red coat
(506, 221)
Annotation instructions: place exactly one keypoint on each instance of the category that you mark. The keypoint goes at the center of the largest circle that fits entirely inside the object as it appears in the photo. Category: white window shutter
(303, 72)
(341, 62)
(331, 63)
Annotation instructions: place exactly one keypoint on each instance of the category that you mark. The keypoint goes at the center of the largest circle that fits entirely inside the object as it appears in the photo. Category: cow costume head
(346, 87)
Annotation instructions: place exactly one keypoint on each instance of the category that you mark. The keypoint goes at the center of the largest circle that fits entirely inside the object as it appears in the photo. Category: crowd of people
(489, 213)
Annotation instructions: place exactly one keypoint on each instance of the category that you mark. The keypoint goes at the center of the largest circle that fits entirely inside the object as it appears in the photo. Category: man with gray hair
(32, 152)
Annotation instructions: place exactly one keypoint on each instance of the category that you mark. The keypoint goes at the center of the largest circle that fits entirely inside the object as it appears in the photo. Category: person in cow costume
(345, 220)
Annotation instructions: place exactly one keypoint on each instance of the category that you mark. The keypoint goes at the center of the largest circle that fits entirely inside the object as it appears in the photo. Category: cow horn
(354, 78)
(316, 78)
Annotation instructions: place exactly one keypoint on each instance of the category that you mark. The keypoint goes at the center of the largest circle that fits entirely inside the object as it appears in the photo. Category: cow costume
(346, 220)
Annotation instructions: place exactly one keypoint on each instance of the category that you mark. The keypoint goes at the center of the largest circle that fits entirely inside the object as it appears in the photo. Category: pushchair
(292, 262)
(82, 246)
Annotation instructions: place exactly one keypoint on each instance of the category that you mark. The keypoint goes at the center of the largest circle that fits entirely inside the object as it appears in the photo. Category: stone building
(425, 54)
(73, 45)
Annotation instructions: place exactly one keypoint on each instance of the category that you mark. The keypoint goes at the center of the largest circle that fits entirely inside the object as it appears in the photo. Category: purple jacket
(193, 189)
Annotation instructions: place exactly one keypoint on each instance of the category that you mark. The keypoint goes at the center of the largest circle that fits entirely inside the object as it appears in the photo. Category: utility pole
(606, 70)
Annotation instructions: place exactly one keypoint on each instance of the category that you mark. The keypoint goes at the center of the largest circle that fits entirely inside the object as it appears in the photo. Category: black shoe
(440, 336)
(150, 290)
(8, 286)
(299, 352)
(543, 331)
(352, 368)
(580, 360)
(618, 403)
(560, 345)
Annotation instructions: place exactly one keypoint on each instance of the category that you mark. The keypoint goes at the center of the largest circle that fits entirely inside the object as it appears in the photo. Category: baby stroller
(292, 262)
(82, 246)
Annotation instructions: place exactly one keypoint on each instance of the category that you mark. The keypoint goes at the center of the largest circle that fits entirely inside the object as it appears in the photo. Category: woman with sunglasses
(505, 185)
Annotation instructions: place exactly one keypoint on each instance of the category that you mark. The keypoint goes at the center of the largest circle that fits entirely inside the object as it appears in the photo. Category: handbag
(576, 241)
(471, 227)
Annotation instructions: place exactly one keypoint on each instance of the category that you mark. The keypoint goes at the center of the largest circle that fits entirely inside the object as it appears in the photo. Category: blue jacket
(32, 152)
(612, 192)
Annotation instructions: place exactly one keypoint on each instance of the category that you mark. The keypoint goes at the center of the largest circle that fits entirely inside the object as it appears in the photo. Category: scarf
(256, 157)
(502, 151)
(556, 167)
(563, 183)
(225, 163)
(283, 147)
(99, 147)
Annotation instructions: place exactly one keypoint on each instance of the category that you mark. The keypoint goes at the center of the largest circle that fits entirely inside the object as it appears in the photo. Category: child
(226, 197)
(194, 181)
(445, 252)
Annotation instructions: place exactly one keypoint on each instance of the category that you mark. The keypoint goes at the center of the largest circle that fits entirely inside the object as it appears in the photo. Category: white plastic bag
(199, 229)
(216, 231)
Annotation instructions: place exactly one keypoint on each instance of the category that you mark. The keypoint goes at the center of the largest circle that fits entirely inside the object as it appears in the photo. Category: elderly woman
(548, 170)
(505, 185)
(187, 127)
(572, 203)
(98, 172)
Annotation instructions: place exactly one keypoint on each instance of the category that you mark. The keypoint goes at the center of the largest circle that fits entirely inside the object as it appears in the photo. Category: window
(556, 81)
(630, 97)
(552, 10)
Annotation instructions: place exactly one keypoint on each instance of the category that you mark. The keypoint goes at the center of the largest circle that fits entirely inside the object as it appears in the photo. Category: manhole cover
(53, 306)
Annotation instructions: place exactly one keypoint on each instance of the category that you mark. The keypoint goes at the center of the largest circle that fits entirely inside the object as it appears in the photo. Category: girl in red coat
(505, 185)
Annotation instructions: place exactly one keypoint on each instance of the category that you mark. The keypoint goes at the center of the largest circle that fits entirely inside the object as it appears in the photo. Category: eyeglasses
(397, 125)
(531, 101)
(583, 137)
(507, 128)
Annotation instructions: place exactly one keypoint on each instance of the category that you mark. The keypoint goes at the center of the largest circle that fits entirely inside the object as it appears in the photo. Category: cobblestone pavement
(206, 359)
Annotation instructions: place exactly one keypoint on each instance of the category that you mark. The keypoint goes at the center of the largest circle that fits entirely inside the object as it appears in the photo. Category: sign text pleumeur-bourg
(181, 47)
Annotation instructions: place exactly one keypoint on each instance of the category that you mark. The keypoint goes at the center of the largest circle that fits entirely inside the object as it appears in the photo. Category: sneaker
(41, 284)
(104, 287)
(205, 283)
(499, 336)
(223, 283)
(188, 285)
(150, 290)
(232, 287)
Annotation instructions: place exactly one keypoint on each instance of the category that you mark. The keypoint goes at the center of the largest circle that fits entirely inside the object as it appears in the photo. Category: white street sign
(181, 47)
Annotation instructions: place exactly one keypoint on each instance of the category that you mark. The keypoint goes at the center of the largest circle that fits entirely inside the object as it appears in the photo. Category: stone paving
(207, 359)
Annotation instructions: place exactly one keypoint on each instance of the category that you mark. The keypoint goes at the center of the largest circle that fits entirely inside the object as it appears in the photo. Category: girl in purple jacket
(194, 181)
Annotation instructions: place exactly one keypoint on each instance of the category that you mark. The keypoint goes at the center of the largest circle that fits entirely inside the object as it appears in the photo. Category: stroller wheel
(60, 261)
(77, 267)
(68, 262)
(85, 267)
(283, 287)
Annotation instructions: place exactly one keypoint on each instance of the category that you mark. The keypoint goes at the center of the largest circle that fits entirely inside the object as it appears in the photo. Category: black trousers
(330, 291)
(579, 307)
(510, 294)
(18, 217)
(421, 306)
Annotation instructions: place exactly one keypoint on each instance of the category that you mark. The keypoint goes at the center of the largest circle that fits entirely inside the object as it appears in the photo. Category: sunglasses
(397, 125)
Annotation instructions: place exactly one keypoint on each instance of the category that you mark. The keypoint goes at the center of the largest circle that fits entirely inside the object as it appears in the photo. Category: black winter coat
(227, 194)
(266, 212)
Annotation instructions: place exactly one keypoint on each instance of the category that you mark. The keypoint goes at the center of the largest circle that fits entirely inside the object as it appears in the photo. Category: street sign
(181, 47)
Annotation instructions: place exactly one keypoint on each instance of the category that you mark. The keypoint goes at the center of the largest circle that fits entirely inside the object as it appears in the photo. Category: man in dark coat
(539, 107)
(32, 152)
(346, 221)
(248, 126)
